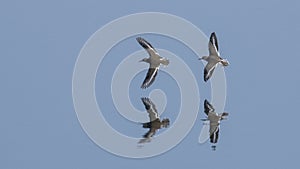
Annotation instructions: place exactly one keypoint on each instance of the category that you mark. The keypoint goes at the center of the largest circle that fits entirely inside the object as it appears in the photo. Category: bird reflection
(214, 122)
(154, 123)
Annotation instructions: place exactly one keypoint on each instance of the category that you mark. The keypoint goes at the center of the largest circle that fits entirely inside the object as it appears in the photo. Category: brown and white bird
(154, 61)
(213, 58)
(214, 122)
(154, 123)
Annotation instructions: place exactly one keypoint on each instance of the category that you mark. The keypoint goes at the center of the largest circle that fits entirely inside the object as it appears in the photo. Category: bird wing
(151, 132)
(151, 109)
(147, 46)
(150, 77)
(144, 140)
(208, 107)
(209, 69)
(214, 124)
(213, 45)
(214, 133)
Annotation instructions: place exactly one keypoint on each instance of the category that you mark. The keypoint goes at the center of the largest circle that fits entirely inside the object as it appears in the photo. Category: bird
(154, 61)
(154, 123)
(213, 58)
(214, 122)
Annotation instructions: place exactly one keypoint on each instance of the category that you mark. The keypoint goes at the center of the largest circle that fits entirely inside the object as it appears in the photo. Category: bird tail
(224, 115)
(165, 62)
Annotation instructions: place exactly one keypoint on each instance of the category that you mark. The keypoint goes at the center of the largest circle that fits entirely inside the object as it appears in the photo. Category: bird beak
(199, 58)
(141, 60)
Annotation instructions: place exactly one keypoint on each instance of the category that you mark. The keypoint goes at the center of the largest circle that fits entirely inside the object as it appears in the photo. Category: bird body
(213, 58)
(154, 123)
(214, 121)
(154, 61)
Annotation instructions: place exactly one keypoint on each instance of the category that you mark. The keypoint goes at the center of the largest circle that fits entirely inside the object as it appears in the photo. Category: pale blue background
(40, 42)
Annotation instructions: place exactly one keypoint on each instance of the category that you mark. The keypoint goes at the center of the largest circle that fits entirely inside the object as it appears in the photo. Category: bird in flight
(214, 122)
(213, 58)
(154, 123)
(154, 61)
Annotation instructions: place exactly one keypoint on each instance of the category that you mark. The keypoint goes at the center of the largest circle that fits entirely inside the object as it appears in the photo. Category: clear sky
(40, 42)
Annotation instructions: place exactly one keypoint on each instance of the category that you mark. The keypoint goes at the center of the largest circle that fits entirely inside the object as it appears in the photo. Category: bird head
(203, 58)
(225, 62)
(144, 60)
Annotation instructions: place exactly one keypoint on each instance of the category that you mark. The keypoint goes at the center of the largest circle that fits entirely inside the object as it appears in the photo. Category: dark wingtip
(143, 99)
(213, 35)
(205, 106)
(146, 101)
(143, 42)
(138, 38)
(205, 77)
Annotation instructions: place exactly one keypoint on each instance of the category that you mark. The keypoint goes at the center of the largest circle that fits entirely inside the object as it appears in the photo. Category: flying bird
(154, 123)
(154, 61)
(214, 122)
(213, 58)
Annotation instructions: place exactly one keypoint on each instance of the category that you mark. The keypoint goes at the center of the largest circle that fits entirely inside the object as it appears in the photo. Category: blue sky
(40, 42)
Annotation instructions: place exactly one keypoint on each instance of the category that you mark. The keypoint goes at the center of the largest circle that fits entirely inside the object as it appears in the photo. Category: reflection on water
(210, 130)
(154, 123)
(214, 123)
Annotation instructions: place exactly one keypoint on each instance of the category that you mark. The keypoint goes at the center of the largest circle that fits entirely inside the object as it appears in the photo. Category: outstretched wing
(147, 46)
(208, 107)
(151, 109)
(208, 70)
(213, 45)
(150, 133)
(150, 77)
(214, 133)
